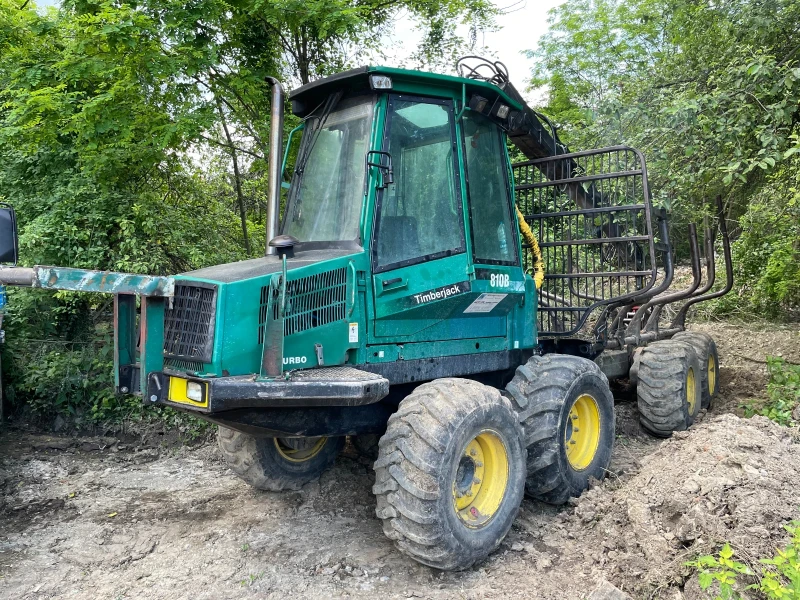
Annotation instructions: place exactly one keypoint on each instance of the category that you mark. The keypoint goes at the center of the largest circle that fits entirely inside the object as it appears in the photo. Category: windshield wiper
(330, 103)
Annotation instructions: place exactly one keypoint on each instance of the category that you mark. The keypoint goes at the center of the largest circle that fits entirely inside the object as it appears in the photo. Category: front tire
(277, 464)
(668, 388)
(567, 409)
(450, 473)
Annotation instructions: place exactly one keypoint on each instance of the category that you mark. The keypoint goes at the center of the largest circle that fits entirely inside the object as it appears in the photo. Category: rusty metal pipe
(22, 276)
(274, 161)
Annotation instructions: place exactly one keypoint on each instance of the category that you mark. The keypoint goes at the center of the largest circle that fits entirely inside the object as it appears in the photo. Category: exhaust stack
(274, 163)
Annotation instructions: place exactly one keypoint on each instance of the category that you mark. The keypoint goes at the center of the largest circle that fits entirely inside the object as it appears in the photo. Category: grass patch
(783, 394)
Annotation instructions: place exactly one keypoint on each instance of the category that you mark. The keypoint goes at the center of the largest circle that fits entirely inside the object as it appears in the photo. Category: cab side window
(493, 234)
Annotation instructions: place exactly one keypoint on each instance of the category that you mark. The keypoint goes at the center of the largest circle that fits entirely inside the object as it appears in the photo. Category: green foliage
(783, 393)
(766, 254)
(778, 579)
(320, 37)
(782, 581)
(722, 570)
(711, 93)
(113, 151)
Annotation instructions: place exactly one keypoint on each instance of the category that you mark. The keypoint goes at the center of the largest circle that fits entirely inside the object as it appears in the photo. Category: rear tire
(668, 390)
(551, 393)
(450, 474)
(706, 351)
(277, 464)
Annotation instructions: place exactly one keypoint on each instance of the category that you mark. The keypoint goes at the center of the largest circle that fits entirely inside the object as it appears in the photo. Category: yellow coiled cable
(530, 239)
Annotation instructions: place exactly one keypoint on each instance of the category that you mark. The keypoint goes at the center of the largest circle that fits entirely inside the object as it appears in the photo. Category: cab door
(419, 259)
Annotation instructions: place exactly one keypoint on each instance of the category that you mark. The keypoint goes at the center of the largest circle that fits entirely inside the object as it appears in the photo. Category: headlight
(194, 391)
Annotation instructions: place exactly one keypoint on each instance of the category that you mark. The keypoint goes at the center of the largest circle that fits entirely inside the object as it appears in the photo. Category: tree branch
(234, 148)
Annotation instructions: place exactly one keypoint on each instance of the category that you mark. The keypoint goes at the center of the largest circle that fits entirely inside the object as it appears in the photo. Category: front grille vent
(189, 324)
(311, 302)
(176, 364)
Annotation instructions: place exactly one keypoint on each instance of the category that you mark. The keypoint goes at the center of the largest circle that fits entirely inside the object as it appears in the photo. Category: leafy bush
(783, 393)
(58, 360)
(766, 255)
(721, 569)
(777, 579)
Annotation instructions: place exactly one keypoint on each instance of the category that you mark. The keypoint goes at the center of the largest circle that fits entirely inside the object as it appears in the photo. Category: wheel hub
(465, 477)
(481, 479)
(582, 433)
(299, 449)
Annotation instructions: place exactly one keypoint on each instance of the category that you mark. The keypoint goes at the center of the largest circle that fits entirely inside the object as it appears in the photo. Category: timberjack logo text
(439, 294)
(295, 360)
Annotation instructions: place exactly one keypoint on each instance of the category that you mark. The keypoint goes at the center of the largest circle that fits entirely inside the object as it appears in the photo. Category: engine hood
(257, 267)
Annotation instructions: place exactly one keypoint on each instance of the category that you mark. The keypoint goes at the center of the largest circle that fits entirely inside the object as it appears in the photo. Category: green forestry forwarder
(394, 302)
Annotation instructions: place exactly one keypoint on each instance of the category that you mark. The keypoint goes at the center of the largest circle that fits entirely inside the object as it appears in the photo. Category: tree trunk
(237, 181)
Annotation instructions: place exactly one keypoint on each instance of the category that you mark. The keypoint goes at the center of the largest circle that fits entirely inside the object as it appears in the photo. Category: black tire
(277, 464)
(706, 351)
(546, 390)
(663, 389)
(424, 464)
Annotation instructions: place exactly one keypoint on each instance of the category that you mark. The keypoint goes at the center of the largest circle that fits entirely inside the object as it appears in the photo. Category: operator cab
(394, 162)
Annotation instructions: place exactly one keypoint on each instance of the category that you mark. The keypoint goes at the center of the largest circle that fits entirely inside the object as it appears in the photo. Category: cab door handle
(395, 283)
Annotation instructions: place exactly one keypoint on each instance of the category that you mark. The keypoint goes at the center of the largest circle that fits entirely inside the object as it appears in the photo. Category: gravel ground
(95, 518)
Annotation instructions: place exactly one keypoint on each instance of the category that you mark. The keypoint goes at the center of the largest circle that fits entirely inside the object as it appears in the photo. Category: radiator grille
(177, 364)
(310, 302)
(189, 324)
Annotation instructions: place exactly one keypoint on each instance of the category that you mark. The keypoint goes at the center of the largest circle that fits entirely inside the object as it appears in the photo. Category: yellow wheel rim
(582, 434)
(299, 449)
(481, 479)
(712, 374)
(691, 391)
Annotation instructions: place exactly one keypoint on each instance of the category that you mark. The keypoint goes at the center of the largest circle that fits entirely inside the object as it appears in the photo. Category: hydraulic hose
(530, 239)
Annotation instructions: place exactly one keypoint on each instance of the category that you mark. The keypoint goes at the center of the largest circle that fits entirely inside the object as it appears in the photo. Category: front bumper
(331, 386)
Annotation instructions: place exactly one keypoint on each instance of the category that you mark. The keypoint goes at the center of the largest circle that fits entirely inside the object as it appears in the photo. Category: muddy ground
(97, 518)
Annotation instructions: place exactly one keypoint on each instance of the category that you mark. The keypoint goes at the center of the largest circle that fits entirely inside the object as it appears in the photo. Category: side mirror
(9, 246)
(386, 169)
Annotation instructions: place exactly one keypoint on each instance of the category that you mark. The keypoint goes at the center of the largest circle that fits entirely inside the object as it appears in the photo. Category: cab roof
(306, 98)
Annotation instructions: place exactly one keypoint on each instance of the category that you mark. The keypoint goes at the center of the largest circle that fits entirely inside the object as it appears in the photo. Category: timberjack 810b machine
(423, 289)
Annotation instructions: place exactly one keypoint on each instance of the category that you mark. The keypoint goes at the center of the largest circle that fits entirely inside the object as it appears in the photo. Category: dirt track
(88, 518)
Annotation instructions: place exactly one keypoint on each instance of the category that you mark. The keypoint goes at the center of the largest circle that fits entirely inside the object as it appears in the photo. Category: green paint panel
(425, 83)
(125, 333)
(151, 343)
(238, 342)
(453, 347)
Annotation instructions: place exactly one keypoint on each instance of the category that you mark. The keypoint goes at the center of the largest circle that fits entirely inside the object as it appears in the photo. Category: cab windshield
(327, 191)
